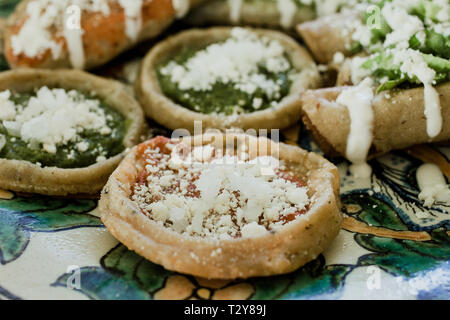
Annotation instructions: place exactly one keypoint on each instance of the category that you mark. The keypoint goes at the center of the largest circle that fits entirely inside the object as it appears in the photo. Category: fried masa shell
(172, 115)
(295, 244)
(104, 37)
(24, 176)
(399, 120)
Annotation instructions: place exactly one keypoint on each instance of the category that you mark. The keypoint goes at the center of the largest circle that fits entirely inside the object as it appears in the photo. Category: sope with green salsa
(243, 74)
(59, 128)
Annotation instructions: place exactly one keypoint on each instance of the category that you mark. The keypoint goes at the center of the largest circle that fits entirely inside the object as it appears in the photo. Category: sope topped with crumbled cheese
(358, 100)
(244, 73)
(204, 191)
(58, 127)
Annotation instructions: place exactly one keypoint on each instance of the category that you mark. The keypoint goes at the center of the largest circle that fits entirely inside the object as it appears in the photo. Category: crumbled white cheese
(236, 60)
(54, 117)
(361, 33)
(100, 158)
(253, 229)
(257, 103)
(444, 12)
(403, 25)
(7, 107)
(442, 28)
(82, 146)
(216, 196)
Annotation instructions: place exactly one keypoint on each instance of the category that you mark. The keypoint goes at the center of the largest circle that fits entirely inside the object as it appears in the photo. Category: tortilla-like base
(294, 245)
(24, 176)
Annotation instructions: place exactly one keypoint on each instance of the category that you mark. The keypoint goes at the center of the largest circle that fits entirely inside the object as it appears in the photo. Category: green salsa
(68, 155)
(223, 98)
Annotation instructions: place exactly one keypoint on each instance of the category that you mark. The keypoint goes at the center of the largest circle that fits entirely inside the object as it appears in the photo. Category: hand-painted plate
(390, 247)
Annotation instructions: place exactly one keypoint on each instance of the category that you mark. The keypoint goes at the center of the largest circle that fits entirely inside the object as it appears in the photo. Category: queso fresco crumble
(205, 192)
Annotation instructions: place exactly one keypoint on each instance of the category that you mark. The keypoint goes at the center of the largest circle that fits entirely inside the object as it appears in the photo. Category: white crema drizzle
(432, 185)
(133, 17)
(181, 7)
(235, 10)
(287, 9)
(358, 101)
(73, 34)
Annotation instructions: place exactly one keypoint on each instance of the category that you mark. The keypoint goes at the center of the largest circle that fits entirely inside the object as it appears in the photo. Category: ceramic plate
(390, 247)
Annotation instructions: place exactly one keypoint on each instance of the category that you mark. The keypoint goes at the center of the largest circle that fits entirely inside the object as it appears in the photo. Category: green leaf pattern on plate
(20, 216)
